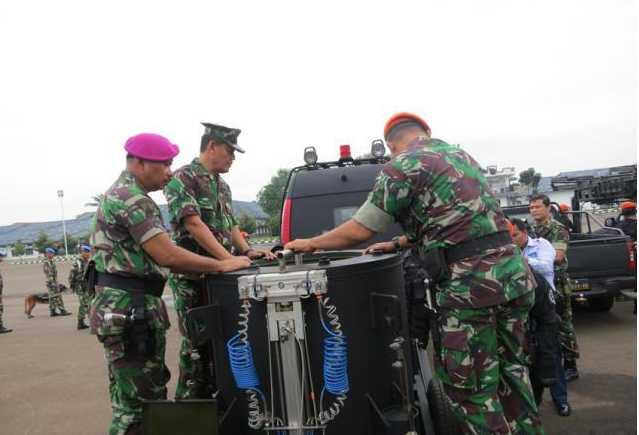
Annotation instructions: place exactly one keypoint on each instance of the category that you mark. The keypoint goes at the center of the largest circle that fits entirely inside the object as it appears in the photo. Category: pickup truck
(601, 259)
(321, 196)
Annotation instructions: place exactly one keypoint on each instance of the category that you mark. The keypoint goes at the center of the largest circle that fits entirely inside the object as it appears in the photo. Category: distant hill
(27, 232)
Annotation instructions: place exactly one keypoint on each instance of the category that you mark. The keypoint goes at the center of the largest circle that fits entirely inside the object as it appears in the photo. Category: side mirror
(610, 222)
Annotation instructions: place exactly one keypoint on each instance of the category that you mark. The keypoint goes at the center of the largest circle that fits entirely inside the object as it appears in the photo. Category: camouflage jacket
(50, 273)
(194, 190)
(558, 236)
(76, 275)
(439, 195)
(126, 218)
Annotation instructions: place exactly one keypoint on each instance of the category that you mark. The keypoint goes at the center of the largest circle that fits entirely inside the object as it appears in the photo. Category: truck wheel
(441, 410)
(601, 304)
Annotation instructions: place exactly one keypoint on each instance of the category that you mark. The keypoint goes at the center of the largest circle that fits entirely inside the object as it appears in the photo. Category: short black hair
(520, 224)
(401, 128)
(541, 197)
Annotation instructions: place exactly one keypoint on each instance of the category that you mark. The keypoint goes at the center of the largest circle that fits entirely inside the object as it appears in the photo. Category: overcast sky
(548, 84)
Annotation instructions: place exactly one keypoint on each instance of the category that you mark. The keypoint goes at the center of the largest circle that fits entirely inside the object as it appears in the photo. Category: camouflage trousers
(483, 364)
(84, 302)
(567, 336)
(134, 374)
(194, 381)
(132, 379)
(55, 298)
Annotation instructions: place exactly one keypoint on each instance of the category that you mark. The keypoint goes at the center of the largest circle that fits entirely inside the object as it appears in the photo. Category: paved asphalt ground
(53, 377)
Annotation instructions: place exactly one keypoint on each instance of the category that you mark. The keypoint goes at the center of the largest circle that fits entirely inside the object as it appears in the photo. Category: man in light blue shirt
(539, 252)
(541, 257)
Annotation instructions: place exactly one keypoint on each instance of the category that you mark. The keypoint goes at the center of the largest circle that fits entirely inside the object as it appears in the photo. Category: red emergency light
(345, 152)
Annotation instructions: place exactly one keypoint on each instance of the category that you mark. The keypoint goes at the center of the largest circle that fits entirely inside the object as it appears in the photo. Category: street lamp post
(64, 226)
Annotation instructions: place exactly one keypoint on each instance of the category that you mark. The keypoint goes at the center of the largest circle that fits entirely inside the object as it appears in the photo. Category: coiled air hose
(243, 368)
(335, 362)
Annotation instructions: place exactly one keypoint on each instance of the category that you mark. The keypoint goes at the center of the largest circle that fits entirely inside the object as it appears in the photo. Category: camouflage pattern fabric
(438, 193)
(194, 190)
(51, 277)
(559, 236)
(126, 218)
(132, 378)
(194, 381)
(484, 368)
(79, 287)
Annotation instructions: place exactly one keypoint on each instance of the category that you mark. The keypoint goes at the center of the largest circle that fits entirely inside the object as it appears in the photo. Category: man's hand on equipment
(385, 247)
(254, 254)
(234, 263)
(300, 245)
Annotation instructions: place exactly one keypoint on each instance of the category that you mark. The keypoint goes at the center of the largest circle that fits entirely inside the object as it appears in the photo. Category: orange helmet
(402, 117)
(628, 205)
(564, 208)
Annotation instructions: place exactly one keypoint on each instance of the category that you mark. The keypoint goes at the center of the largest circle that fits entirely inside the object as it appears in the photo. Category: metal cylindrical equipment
(368, 293)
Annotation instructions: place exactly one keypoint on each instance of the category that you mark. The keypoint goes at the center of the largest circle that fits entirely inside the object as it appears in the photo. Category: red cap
(402, 117)
(564, 208)
(628, 205)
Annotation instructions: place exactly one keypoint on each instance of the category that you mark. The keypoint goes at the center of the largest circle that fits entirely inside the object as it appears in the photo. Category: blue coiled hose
(243, 368)
(335, 363)
(242, 365)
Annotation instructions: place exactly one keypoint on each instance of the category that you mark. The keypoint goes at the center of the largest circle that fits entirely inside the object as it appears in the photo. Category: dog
(30, 301)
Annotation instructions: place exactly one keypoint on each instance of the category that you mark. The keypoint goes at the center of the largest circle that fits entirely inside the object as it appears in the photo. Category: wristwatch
(396, 244)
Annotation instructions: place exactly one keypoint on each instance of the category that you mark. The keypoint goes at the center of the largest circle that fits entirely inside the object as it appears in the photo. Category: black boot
(63, 312)
(570, 370)
(4, 330)
(81, 324)
(53, 313)
(564, 410)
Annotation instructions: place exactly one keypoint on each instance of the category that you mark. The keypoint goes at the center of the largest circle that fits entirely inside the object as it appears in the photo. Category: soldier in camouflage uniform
(78, 284)
(3, 330)
(56, 305)
(439, 195)
(202, 219)
(558, 235)
(132, 251)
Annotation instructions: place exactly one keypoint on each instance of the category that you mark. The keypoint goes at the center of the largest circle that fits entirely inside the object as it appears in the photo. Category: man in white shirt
(541, 258)
(539, 252)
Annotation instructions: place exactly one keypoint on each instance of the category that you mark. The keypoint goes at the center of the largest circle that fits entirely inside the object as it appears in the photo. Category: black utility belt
(153, 287)
(477, 246)
(437, 261)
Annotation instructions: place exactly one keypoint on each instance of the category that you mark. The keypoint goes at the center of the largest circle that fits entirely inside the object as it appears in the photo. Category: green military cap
(219, 133)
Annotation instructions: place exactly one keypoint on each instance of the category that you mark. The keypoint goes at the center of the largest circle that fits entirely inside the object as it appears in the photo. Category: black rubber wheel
(601, 304)
(441, 410)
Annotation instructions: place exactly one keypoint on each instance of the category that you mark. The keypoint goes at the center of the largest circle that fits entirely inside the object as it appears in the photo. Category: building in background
(503, 184)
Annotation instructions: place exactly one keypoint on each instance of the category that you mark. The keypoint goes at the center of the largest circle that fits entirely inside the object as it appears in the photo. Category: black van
(321, 196)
